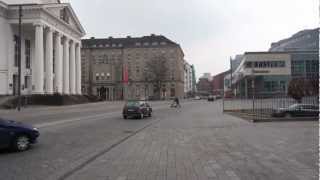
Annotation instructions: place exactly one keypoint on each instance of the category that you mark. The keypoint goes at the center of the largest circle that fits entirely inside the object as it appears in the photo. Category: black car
(211, 98)
(137, 109)
(17, 136)
(297, 110)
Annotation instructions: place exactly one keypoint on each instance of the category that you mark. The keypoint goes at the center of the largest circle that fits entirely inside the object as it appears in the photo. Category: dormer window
(138, 44)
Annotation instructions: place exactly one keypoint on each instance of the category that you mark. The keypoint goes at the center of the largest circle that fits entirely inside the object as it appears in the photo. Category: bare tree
(156, 72)
(299, 88)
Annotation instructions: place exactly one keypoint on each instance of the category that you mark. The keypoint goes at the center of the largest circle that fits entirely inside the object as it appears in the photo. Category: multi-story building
(306, 40)
(204, 87)
(206, 76)
(269, 73)
(119, 68)
(188, 81)
(218, 83)
(50, 47)
(194, 79)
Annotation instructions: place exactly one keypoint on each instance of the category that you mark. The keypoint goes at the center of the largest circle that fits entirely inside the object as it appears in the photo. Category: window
(248, 64)
(267, 86)
(274, 85)
(107, 45)
(108, 76)
(298, 67)
(114, 45)
(97, 76)
(28, 53)
(163, 43)
(16, 51)
(172, 92)
(138, 44)
(146, 44)
(155, 43)
(26, 82)
(282, 86)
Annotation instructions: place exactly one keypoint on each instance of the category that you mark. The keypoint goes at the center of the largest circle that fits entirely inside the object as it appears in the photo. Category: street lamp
(19, 57)
(253, 88)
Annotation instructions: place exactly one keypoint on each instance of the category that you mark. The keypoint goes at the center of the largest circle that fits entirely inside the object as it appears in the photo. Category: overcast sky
(209, 31)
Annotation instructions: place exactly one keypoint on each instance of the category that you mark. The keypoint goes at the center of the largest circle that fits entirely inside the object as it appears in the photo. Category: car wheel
(141, 116)
(150, 114)
(288, 115)
(21, 143)
(125, 117)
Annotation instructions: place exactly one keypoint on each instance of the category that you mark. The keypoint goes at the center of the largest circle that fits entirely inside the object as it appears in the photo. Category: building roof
(16, 2)
(280, 52)
(304, 40)
(128, 41)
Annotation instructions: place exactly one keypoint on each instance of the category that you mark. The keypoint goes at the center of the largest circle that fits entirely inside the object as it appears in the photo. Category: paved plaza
(196, 142)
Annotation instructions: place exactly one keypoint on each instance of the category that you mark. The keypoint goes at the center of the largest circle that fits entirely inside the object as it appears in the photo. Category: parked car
(197, 98)
(297, 110)
(17, 136)
(211, 98)
(137, 109)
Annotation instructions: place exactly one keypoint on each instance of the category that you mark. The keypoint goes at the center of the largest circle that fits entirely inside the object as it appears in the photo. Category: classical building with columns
(50, 48)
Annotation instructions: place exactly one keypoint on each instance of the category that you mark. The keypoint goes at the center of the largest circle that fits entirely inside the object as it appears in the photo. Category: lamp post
(19, 57)
(253, 89)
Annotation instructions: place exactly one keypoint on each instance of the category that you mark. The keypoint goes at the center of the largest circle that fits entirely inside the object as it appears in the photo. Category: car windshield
(294, 106)
(133, 103)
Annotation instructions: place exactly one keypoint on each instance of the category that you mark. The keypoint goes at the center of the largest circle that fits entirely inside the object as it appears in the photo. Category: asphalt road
(195, 142)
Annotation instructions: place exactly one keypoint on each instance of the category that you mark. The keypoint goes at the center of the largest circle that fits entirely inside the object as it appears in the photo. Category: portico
(54, 52)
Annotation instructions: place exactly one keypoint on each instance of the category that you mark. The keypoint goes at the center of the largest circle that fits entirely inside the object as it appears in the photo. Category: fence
(262, 107)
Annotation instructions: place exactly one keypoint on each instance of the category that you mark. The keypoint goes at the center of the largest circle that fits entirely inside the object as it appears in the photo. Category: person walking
(176, 100)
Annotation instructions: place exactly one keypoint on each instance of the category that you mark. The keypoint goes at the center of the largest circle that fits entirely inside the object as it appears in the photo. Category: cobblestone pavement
(198, 142)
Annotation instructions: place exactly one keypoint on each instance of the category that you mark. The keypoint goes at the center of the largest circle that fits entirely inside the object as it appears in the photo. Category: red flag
(125, 74)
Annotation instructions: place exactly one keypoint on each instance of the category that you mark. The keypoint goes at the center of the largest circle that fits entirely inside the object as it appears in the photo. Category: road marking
(55, 123)
(92, 117)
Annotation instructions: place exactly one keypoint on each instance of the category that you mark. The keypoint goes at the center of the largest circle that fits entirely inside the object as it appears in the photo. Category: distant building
(218, 83)
(194, 79)
(306, 40)
(188, 80)
(269, 73)
(116, 68)
(206, 76)
(235, 62)
(50, 48)
(204, 87)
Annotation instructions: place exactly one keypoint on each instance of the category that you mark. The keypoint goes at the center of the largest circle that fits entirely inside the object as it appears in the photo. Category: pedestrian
(177, 102)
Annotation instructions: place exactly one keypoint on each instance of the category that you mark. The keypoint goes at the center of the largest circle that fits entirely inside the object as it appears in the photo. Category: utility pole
(19, 58)
(231, 75)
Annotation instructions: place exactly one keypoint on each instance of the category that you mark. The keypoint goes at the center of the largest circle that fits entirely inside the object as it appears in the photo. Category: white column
(72, 68)
(58, 64)
(66, 89)
(37, 70)
(49, 61)
(78, 69)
